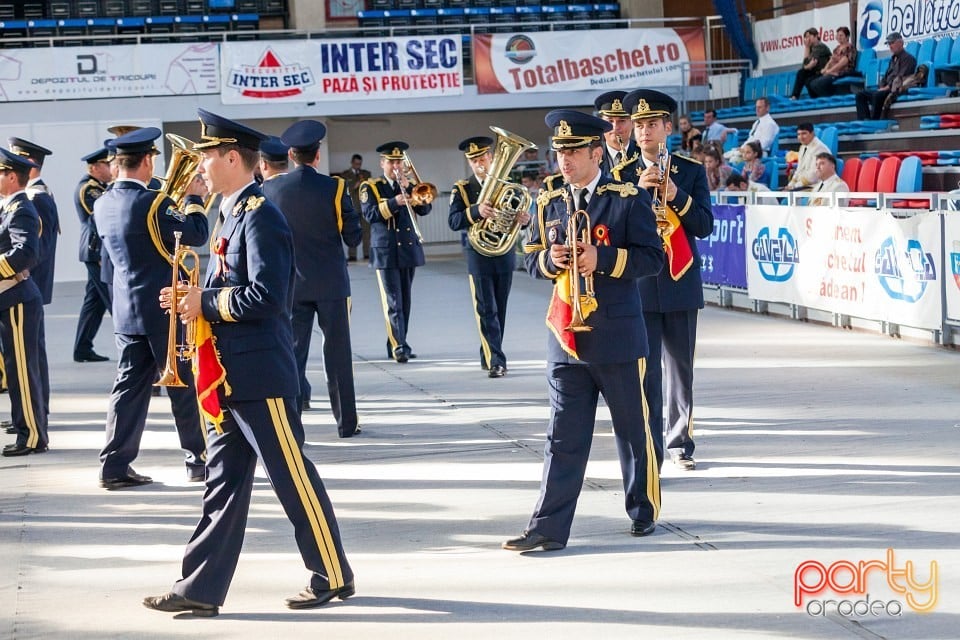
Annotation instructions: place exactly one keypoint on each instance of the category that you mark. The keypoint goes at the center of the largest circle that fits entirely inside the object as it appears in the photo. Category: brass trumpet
(187, 349)
(660, 190)
(576, 237)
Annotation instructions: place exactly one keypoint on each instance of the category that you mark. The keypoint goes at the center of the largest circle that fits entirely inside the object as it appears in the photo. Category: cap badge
(642, 106)
(473, 148)
(396, 152)
(564, 129)
(617, 105)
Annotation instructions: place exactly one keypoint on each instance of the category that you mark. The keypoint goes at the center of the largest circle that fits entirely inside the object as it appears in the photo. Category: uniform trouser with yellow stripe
(490, 293)
(19, 332)
(271, 431)
(574, 392)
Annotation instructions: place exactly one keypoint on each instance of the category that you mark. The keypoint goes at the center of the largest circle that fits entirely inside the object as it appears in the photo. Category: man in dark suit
(870, 101)
(620, 153)
(320, 214)
(251, 397)
(21, 306)
(395, 244)
(621, 246)
(490, 276)
(42, 273)
(137, 226)
(355, 176)
(672, 299)
(96, 296)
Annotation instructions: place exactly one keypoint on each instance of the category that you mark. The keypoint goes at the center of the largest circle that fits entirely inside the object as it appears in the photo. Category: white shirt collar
(10, 197)
(228, 202)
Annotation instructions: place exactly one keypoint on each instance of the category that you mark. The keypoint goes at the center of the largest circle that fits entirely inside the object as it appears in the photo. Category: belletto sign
(545, 61)
(315, 70)
(111, 71)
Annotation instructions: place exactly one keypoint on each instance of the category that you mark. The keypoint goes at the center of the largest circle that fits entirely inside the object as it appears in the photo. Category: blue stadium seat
(912, 47)
(910, 176)
(831, 138)
(927, 48)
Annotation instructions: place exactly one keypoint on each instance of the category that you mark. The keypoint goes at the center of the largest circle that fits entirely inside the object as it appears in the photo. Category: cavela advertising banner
(314, 70)
(545, 61)
(108, 71)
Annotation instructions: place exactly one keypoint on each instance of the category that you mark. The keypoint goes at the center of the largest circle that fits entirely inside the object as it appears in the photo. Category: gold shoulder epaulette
(625, 189)
(687, 158)
(546, 196)
(252, 203)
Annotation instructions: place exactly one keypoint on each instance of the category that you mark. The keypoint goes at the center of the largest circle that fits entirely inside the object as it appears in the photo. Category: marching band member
(621, 247)
(620, 151)
(672, 299)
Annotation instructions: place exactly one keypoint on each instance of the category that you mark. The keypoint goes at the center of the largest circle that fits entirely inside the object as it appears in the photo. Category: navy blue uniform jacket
(46, 208)
(19, 247)
(621, 212)
(88, 190)
(305, 198)
(692, 205)
(393, 242)
(627, 170)
(464, 213)
(136, 228)
(248, 298)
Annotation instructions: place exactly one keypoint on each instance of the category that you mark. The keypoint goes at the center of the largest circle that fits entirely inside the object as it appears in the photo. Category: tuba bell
(496, 236)
(183, 165)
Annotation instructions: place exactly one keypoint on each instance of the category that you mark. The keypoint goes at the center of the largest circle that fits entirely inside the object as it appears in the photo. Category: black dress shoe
(351, 258)
(309, 598)
(196, 475)
(530, 541)
(497, 371)
(355, 432)
(175, 603)
(400, 355)
(90, 356)
(12, 450)
(132, 479)
(411, 354)
(642, 527)
(305, 406)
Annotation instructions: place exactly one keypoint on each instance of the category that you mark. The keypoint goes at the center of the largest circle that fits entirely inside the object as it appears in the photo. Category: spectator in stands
(830, 182)
(753, 168)
(697, 152)
(689, 135)
(717, 169)
(765, 128)
(816, 56)
(810, 149)
(737, 182)
(897, 89)
(841, 63)
(714, 130)
(902, 64)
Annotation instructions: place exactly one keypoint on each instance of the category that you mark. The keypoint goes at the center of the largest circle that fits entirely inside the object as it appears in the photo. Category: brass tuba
(496, 236)
(181, 168)
(170, 377)
(421, 192)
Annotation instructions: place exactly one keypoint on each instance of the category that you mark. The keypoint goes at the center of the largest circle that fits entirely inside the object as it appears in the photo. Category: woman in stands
(753, 168)
(717, 169)
(841, 63)
(690, 135)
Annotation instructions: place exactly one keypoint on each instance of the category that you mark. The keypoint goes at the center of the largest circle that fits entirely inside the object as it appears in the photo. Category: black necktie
(617, 159)
(582, 200)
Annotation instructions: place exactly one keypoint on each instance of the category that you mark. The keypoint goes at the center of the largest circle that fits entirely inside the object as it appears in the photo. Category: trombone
(407, 197)
(576, 237)
(188, 348)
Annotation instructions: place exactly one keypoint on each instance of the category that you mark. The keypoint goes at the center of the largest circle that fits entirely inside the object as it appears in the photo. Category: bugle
(660, 190)
(575, 237)
(170, 377)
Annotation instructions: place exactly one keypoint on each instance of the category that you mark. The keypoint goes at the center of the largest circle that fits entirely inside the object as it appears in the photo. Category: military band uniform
(624, 170)
(42, 273)
(616, 163)
(248, 301)
(320, 214)
(395, 252)
(136, 227)
(96, 296)
(491, 277)
(21, 316)
(354, 178)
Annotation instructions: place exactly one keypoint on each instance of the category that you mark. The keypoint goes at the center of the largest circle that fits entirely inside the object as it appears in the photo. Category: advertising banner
(608, 59)
(779, 41)
(108, 71)
(912, 19)
(951, 252)
(867, 264)
(314, 70)
(722, 254)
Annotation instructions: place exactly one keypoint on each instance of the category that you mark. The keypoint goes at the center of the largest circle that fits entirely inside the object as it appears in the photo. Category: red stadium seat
(851, 171)
(867, 180)
(887, 176)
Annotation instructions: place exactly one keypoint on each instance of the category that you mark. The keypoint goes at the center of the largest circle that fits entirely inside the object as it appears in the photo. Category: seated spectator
(841, 63)
(765, 128)
(810, 149)
(697, 152)
(717, 170)
(753, 168)
(898, 88)
(829, 182)
(816, 55)
(714, 130)
(902, 64)
(688, 135)
(737, 182)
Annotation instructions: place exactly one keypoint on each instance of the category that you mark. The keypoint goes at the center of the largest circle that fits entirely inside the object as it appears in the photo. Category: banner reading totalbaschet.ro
(614, 59)
(315, 70)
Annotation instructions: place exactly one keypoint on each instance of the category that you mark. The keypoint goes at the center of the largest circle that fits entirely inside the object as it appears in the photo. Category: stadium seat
(887, 177)
(851, 171)
(912, 47)
(864, 72)
(867, 180)
(927, 48)
(773, 173)
(830, 137)
(910, 177)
